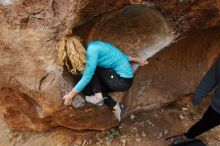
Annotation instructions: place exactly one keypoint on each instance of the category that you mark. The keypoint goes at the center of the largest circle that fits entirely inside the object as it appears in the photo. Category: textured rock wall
(31, 82)
(190, 14)
(175, 71)
(30, 78)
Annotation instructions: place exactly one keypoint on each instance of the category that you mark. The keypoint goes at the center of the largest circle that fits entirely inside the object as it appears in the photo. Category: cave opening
(138, 30)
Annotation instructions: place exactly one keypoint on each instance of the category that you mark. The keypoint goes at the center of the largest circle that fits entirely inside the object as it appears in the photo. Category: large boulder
(32, 83)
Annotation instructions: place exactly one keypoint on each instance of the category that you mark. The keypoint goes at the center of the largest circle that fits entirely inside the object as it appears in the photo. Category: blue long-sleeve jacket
(104, 55)
(209, 82)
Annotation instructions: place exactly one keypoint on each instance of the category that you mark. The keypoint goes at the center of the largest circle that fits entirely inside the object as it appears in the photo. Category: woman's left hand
(142, 62)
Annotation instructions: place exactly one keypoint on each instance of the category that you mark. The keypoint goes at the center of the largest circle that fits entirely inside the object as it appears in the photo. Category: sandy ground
(140, 129)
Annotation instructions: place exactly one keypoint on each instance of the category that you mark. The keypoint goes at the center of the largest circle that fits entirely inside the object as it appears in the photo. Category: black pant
(209, 120)
(106, 80)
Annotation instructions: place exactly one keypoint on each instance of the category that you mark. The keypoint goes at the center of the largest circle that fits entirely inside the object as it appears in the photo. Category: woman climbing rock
(104, 69)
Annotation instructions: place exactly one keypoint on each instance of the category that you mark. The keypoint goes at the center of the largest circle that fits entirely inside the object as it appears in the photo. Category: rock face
(174, 71)
(32, 84)
(191, 14)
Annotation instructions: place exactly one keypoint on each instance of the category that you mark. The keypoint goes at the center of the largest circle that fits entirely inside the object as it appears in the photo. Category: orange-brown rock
(32, 83)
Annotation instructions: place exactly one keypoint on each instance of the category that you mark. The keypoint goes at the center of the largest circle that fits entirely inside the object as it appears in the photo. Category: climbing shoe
(93, 100)
(180, 139)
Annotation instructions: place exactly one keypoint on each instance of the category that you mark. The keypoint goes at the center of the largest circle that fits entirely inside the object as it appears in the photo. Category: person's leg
(93, 86)
(209, 120)
(99, 89)
(113, 81)
(93, 91)
(108, 100)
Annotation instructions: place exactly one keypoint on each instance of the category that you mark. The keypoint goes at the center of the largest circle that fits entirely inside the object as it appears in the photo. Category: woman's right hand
(67, 99)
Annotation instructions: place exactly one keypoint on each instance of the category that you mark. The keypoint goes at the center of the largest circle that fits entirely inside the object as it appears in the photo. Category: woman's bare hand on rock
(67, 99)
(142, 62)
(139, 61)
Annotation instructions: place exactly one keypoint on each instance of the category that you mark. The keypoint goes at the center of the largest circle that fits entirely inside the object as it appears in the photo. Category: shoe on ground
(93, 100)
(181, 139)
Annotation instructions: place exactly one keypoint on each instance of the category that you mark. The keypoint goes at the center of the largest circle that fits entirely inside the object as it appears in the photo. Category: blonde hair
(72, 54)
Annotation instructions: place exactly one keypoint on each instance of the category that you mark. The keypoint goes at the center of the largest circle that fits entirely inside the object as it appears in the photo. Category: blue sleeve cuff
(76, 88)
(127, 57)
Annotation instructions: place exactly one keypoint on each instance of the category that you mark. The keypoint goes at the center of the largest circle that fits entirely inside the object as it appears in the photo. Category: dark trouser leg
(96, 86)
(93, 86)
(108, 100)
(114, 82)
(209, 120)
